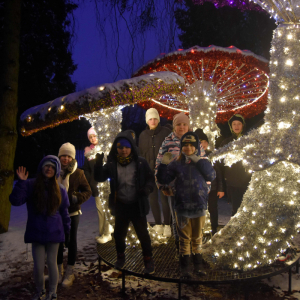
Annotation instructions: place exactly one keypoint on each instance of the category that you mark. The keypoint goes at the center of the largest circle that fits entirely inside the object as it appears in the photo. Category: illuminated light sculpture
(219, 83)
(272, 200)
(69, 108)
(102, 105)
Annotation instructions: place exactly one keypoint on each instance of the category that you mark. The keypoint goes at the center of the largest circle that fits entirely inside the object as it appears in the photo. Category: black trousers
(72, 249)
(126, 213)
(235, 196)
(213, 209)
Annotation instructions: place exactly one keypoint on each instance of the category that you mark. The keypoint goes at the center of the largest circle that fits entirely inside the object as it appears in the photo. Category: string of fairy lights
(269, 217)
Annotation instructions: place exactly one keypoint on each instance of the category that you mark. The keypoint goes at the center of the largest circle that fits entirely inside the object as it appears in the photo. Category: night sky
(89, 54)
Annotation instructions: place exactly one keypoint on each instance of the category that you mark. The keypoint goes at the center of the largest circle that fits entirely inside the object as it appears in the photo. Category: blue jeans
(171, 200)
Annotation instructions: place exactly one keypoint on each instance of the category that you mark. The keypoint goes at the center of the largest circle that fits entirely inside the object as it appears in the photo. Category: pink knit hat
(181, 118)
(91, 131)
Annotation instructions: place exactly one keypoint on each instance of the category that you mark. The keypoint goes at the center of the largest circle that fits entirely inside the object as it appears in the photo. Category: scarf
(124, 161)
(65, 174)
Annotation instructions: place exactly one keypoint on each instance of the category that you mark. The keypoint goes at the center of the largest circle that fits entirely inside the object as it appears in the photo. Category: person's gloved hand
(167, 158)
(67, 240)
(194, 158)
(99, 159)
(74, 199)
(145, 191)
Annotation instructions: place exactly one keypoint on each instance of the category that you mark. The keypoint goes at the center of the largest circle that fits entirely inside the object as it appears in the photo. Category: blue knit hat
(122, 142)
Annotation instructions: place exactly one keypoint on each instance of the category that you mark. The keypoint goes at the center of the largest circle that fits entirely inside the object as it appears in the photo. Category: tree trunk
(9, 72)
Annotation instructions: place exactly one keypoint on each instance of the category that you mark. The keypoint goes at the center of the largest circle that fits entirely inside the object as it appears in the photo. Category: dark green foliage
(46, 67)
(205, 25)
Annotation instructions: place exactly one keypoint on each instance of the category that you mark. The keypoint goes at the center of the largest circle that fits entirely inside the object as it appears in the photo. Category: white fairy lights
(275, 159)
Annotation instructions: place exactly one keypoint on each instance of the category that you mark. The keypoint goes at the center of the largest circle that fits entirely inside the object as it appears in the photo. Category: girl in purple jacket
(48, 222)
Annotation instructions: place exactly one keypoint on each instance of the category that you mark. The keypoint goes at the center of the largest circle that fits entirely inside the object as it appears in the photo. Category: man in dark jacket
(131, 182)
(217, 190)
(150, 141)
(236, 177)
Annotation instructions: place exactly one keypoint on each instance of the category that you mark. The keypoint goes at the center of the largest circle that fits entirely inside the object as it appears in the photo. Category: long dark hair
(46, 195)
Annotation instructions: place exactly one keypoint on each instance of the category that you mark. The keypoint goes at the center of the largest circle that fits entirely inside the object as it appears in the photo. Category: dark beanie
(236, 117)
(190, 138)
(201, 135)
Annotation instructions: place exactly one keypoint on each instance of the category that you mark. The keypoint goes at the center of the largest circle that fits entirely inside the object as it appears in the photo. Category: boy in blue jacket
(131, 182)
(191, 173)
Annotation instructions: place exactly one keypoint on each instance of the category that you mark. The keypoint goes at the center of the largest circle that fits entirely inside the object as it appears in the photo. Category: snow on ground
(16, 262)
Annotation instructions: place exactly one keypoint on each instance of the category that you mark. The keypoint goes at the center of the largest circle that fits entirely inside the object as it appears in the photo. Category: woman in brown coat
(79, 191)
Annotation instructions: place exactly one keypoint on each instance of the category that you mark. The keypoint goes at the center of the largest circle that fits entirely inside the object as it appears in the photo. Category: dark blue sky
(89, 54)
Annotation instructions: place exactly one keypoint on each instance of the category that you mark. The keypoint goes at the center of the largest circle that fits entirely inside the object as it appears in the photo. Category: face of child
(48, 171)
(93, 139)
(65, 160)
(153, 122)
(237, 126)
(124, 151)
(181, 129)
(204, 144)
(188, 149)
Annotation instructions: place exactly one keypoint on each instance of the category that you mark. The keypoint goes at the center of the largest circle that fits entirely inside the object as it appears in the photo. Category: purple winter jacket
(41, 228)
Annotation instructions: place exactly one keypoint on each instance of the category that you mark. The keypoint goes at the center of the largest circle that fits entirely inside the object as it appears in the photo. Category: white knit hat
(152, 113)
(67, 149)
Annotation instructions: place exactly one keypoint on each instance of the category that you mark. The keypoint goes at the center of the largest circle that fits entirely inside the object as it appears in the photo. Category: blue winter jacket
(41, 228)
(191, 188)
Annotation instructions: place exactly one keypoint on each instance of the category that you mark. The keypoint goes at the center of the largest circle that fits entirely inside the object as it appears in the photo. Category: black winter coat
(236, 175)
(144, 175)
(88, 168)
(217, 183)
(150, 141)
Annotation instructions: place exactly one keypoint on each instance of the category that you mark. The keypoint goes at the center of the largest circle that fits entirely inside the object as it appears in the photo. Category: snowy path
(16, 259)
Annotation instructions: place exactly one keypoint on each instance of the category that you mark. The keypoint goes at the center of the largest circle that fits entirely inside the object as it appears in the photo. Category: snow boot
(69, 277)
(149, 265)
(40, 295)
(185, 266)
(159, 229)
(120, 261)
(60, 273)
(51, 296)
(198, 264)
(167, 231)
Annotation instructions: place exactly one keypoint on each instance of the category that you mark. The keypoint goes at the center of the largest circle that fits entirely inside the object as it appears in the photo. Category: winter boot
(198, 264)
(185, 266)
(60, 273)
(51, 296)
(167, 231)
(120, 261)
(149, 265)
(104, 238)
(159, 229)
(69, 277)
(40, 295)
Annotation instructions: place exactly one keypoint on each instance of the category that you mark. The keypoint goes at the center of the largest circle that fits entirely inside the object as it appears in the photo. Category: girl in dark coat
(79, 191)
(150, 141)
(236, 177)
(191, 173)
(131, 182)
(48, 222)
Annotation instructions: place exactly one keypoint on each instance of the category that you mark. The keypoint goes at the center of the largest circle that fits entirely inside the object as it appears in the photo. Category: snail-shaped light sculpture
(269, 216)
